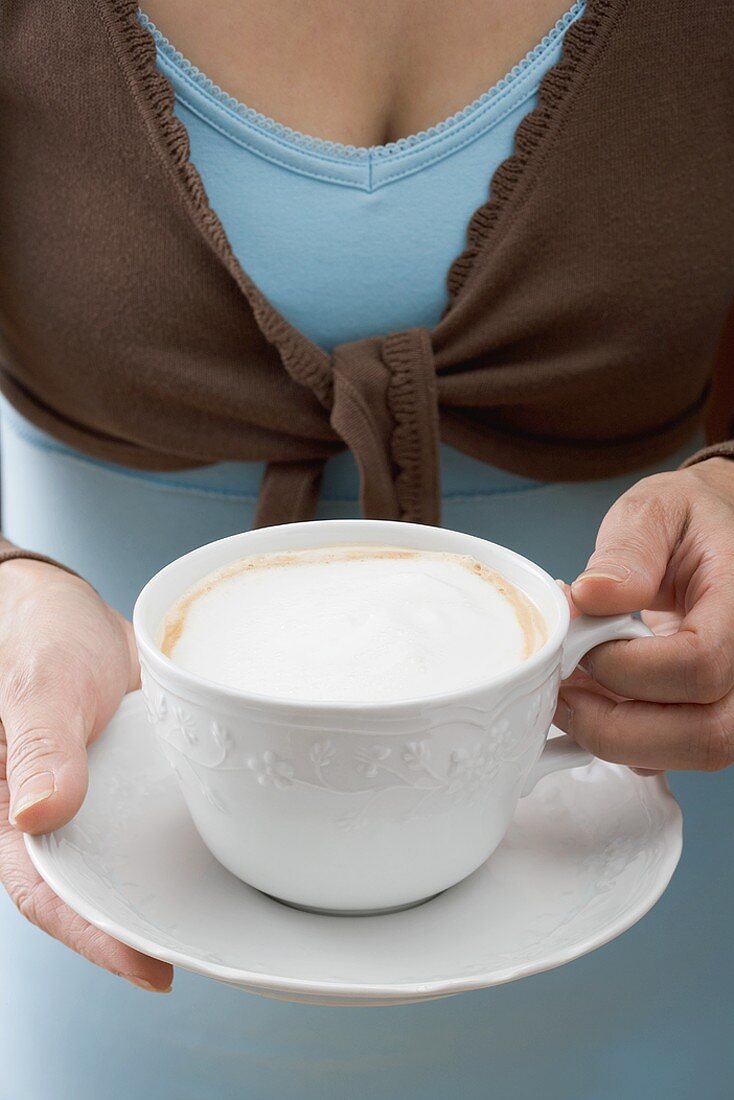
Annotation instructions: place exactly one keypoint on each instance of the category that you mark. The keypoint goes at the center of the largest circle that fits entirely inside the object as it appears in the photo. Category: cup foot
(354, 912)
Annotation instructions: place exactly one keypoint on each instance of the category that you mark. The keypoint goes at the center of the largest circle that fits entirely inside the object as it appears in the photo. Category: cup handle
(588, 631)
(584, 633)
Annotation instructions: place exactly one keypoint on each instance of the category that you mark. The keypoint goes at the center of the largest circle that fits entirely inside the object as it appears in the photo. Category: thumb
(633, 548)
(47, 724)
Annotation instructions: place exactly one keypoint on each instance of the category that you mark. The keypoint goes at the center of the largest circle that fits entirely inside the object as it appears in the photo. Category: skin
(368, 72)
(67, 659)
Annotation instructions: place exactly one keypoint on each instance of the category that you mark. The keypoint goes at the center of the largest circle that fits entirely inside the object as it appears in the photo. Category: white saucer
(589, 852)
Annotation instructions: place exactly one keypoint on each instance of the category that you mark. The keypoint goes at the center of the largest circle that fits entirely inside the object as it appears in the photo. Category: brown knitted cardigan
(582, 320)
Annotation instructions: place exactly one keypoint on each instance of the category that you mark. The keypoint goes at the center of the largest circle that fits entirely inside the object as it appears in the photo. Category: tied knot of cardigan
(381, 397)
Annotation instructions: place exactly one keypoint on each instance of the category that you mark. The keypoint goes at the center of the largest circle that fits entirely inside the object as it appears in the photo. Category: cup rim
(204, 686)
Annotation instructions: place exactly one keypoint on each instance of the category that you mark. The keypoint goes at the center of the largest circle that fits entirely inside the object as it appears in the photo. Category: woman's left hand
(667, 545)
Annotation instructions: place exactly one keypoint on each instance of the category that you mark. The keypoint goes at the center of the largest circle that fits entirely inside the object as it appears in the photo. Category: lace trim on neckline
(337, 149)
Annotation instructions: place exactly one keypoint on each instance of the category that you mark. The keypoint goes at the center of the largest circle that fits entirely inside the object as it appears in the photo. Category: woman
(191, 290)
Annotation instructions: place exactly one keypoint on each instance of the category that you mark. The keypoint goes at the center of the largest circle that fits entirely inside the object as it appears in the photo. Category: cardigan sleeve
(9, 552)
(720, 415)
(716, 450)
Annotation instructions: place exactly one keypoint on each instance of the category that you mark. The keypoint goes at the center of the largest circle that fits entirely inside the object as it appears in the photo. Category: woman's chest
(356, 72)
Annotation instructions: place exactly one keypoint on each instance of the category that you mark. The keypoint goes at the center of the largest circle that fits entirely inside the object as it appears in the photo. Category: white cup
(369, 806)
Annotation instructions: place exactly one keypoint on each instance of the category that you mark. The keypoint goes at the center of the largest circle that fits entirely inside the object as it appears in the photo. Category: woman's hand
(66, 660)
(666, 545)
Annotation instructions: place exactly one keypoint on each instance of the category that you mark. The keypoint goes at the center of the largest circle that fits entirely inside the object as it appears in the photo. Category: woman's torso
(576, 340)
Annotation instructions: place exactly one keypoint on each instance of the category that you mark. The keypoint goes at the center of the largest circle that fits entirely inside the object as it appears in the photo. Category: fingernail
(617, 573)
(36, 788)
(142, 984)
(563, 718)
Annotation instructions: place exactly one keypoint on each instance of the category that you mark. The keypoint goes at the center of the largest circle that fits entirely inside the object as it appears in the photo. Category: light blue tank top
(351, 242)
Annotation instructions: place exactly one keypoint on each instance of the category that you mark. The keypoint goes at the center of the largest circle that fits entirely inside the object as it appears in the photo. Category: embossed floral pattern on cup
(271, 770)
(390, 778)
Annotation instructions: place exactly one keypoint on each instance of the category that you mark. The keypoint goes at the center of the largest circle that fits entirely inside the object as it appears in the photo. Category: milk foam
(352, 624)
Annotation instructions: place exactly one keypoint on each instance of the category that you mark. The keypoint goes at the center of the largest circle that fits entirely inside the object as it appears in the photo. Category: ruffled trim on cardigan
(414, 445)
(582, 39)
(135, 50)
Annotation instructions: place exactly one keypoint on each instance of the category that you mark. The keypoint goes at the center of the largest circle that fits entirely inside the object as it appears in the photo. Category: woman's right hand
(66, 660)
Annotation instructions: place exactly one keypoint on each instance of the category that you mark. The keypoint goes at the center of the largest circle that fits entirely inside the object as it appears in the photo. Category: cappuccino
(349, 624)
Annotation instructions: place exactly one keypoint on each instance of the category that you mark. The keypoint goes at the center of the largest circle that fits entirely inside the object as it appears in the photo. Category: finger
(695, 664)
(37, 903)
(47, 715)
(633, 548)
(653, 736)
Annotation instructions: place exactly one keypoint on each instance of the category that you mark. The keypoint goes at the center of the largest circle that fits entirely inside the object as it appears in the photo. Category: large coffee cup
(362, 807)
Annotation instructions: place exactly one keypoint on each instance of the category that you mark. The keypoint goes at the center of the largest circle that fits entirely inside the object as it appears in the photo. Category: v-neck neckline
(135, 50)
(365, 168)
